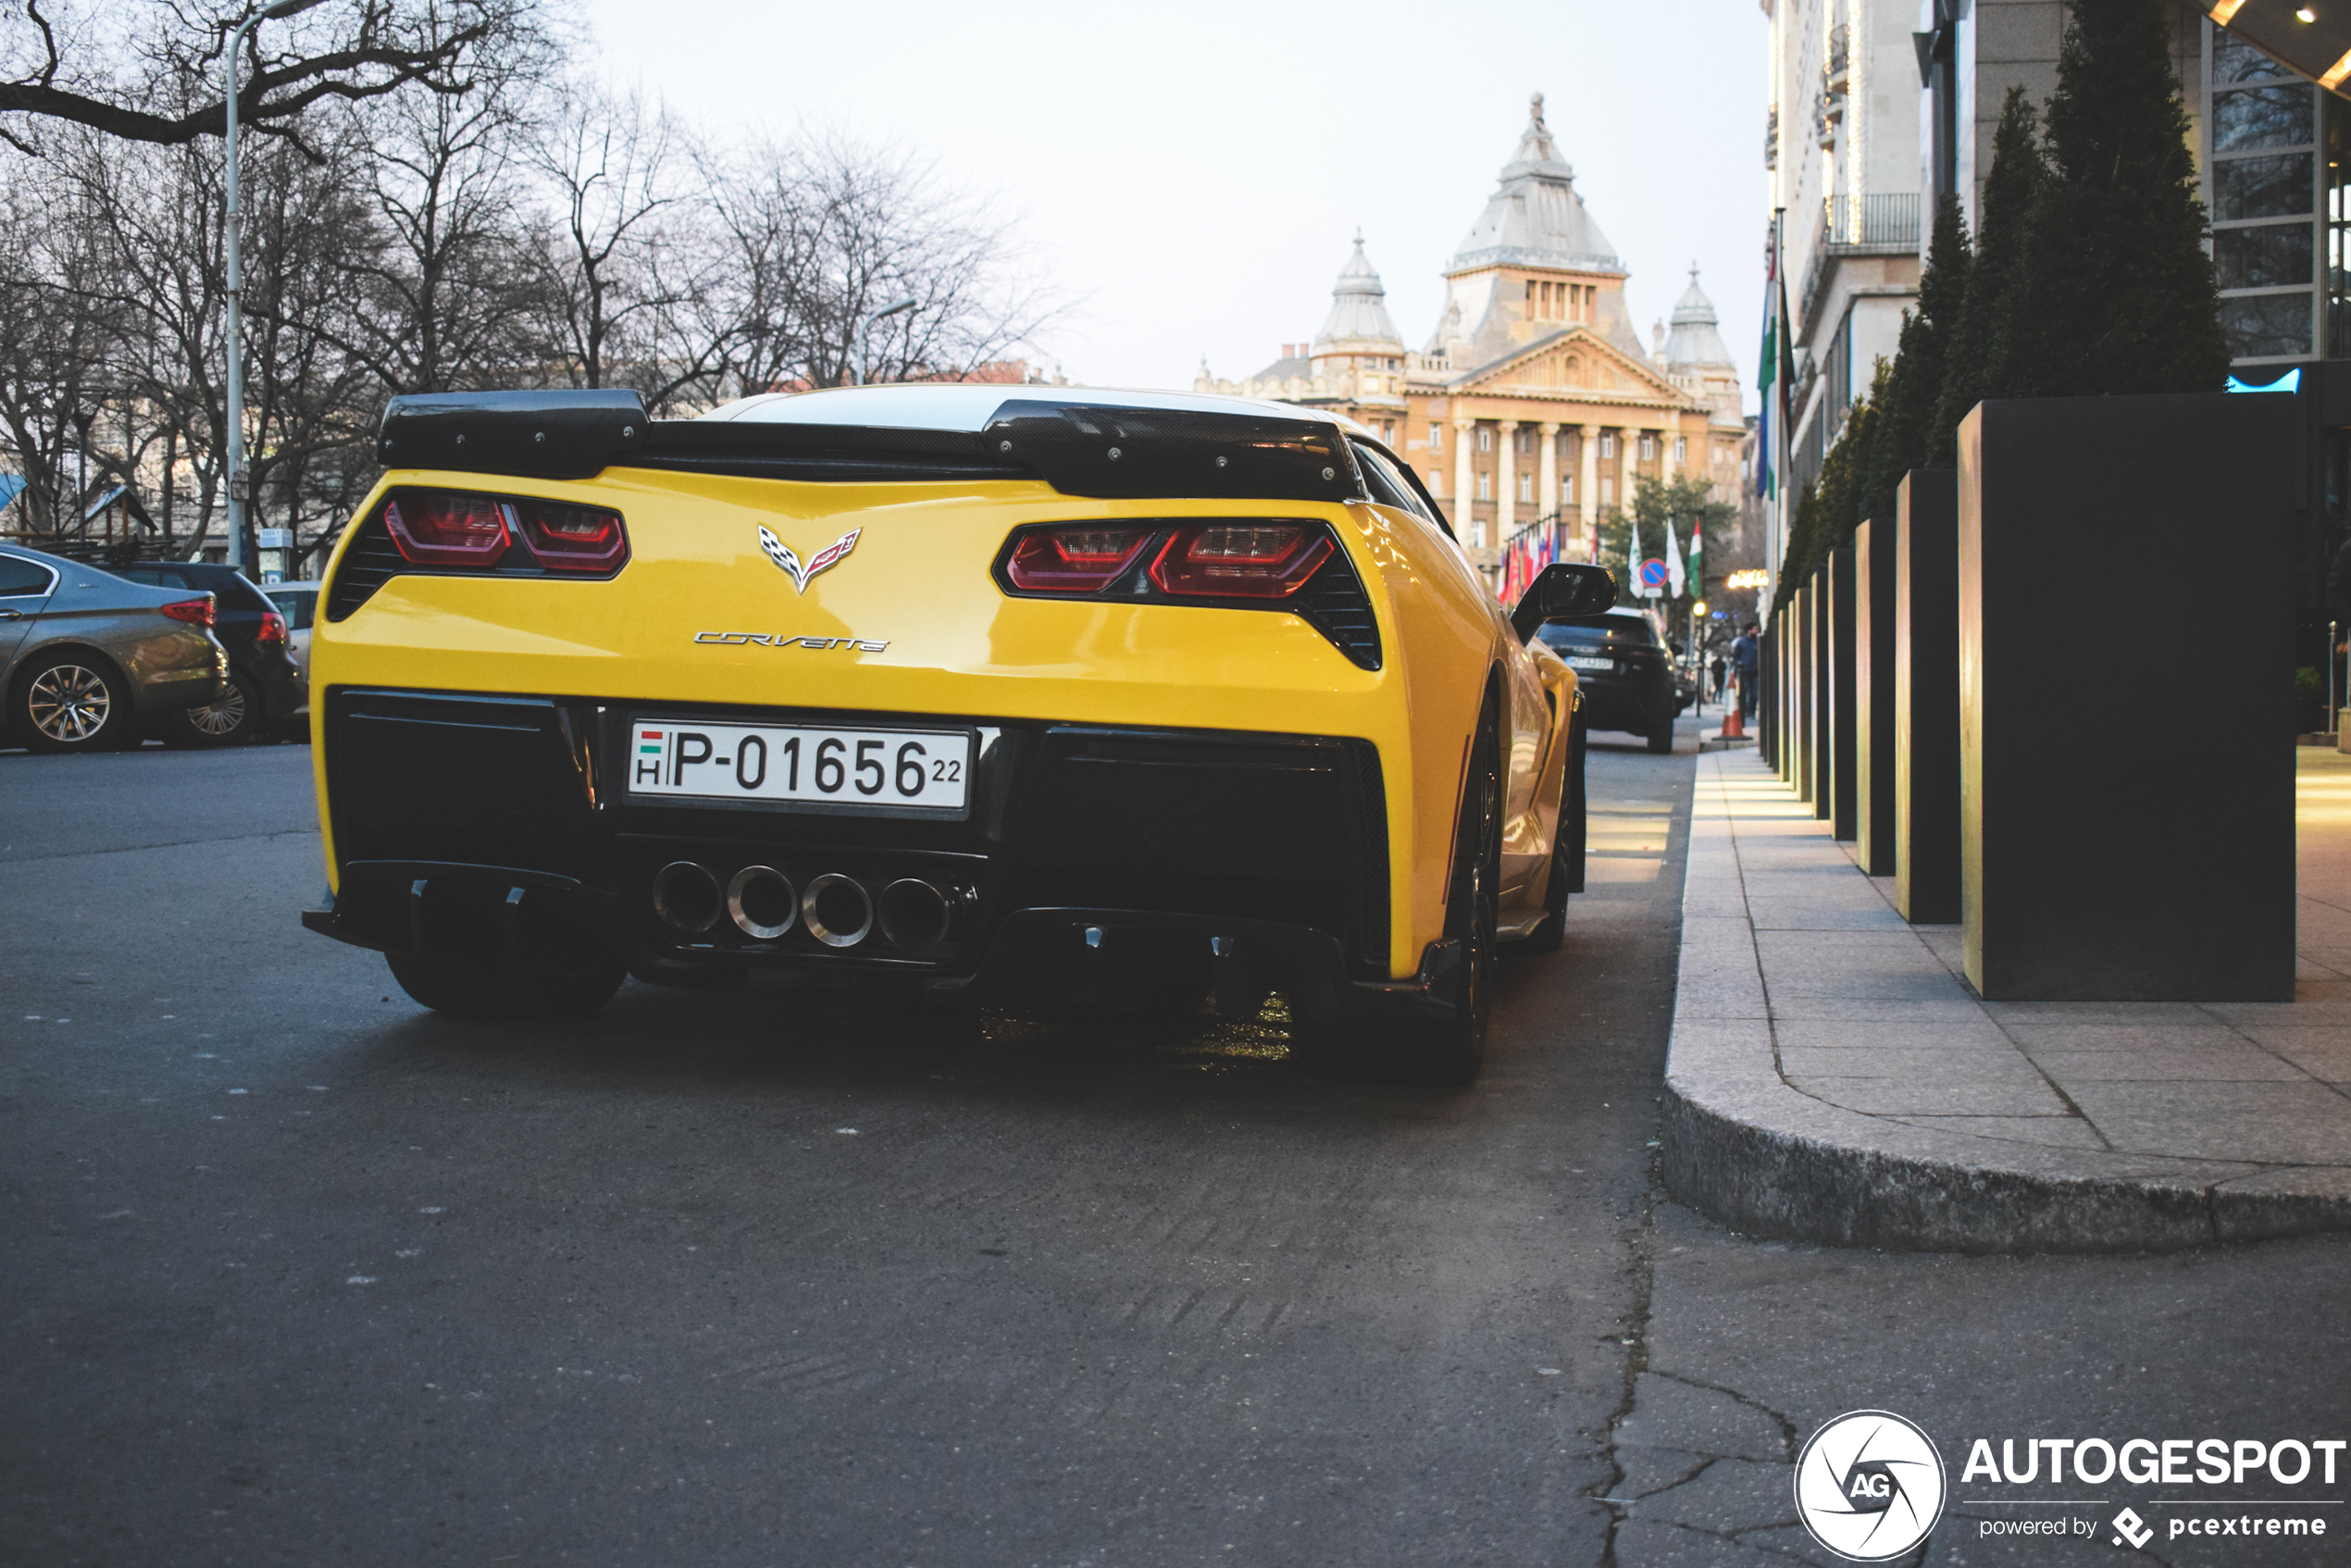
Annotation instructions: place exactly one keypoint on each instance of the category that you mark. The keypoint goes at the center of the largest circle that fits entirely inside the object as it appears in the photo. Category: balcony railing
(1871, 221)
(1853, 225)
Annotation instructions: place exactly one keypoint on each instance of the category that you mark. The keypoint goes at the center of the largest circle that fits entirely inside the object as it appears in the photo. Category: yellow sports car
(998, 691)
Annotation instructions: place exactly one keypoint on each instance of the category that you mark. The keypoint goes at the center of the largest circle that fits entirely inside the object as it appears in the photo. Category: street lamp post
(235, 448)
(865, 324)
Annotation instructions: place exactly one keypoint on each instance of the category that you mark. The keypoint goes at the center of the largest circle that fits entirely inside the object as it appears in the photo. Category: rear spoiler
(1095, 450)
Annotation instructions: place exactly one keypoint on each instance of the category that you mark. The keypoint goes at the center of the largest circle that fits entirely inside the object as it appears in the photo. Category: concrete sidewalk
(1833, 1077)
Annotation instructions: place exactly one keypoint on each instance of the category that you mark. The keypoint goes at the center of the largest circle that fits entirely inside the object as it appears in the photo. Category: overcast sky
(1193, 173)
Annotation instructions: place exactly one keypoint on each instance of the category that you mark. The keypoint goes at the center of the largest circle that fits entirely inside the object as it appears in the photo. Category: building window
(1608, 443)
(1477, 536)
(2262, 128)
(1680, 450)
(1435, 436)
(1837, 366)
(1567, 490)
(1436, 482)
(1526, 487)
(1484, 438)
(1649, 447)
(1484, 485)
(1608, 491)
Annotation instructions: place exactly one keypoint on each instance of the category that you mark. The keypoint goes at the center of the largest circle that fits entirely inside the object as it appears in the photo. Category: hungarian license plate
(1587, 661)
(849, 770)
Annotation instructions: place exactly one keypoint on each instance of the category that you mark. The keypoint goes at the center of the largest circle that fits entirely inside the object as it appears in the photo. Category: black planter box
(1873, 627)
(1926, 697)
(2126, 691)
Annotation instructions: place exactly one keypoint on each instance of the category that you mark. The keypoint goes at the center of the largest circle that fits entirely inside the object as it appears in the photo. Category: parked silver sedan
(85, 656)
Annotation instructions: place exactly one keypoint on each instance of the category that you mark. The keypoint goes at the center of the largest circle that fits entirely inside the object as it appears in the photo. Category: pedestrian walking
(1745, 657)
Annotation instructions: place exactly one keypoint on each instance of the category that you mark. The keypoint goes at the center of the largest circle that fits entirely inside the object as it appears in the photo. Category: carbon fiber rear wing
(1093, 449)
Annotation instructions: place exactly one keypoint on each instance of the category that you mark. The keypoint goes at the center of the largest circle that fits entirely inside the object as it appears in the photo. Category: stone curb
(1747, 1149)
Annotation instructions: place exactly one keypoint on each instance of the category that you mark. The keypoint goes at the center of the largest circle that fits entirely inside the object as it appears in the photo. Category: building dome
(1694, 341)
(1358, 306)
(1535, 218)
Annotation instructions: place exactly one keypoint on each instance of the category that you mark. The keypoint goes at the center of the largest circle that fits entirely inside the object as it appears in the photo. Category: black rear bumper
(491, 828)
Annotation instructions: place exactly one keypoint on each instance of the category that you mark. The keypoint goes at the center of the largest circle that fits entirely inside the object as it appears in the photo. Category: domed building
(1532, 404)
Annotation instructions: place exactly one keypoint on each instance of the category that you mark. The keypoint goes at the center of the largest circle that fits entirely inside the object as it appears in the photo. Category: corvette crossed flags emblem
(783, 556)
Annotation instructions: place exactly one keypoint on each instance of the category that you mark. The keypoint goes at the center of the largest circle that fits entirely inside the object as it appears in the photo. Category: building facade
(1532, 405)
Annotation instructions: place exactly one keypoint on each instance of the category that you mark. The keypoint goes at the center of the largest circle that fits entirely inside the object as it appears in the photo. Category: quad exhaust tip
(914, 915)
(837, 910)
(763, 902)
(686, 897)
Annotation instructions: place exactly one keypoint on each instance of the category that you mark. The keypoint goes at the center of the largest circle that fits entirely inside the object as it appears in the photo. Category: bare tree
(821, 232)
(98, 64)
(58, 340)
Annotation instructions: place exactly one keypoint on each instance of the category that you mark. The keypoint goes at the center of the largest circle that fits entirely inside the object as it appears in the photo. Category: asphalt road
(293, 1272)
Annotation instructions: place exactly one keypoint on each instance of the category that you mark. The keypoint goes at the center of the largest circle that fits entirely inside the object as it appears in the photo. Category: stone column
(1624, 439)
(1464, 475)
(1505, 480)
(1547, 472)
(1587, 503)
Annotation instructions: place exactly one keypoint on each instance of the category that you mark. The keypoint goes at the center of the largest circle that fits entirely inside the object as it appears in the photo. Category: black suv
(265, 685)
(1625, 674)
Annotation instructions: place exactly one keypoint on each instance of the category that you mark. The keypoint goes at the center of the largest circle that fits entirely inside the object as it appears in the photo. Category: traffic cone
(1734, 726)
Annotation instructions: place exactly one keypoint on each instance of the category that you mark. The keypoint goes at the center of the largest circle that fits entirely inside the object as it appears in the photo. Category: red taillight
(570, 539)
(1078, 560)
(273, 627)
(447, 531)
(196, 612)
(1240, 560)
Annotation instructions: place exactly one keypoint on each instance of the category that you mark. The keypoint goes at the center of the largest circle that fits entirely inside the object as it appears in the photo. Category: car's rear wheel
(71, 701)
(229, 719)
(504, 990)
(1432, 1050)
(1567, 851)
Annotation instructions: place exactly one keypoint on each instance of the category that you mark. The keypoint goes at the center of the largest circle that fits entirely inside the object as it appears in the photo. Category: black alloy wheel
(229, 719)
(71, 701)
(1567, 851)
(504, 990)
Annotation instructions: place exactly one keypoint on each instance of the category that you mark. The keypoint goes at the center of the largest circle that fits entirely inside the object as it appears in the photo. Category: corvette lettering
(771, 640)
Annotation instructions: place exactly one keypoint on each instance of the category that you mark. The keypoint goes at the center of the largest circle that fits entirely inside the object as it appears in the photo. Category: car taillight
(570, 539)
(273, 627)
(447, 531)
(195, 611)
(1240, 560)
(1078, 560)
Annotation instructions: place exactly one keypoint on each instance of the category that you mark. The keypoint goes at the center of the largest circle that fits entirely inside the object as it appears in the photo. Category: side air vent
(1333, 602)
(371, 562)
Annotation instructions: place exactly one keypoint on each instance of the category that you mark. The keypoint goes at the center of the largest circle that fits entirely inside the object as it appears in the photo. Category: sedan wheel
(66, 706)
(227, 720)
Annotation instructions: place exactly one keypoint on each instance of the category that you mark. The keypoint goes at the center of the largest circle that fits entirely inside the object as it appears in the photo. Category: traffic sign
(1653, 573)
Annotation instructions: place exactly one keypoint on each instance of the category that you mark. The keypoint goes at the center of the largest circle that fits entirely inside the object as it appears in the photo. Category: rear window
(20, 577)
(1591, 631)
(230, 587)
(296, 607)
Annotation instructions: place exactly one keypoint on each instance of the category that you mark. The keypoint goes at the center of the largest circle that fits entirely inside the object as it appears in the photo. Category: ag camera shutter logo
(1869, 1485)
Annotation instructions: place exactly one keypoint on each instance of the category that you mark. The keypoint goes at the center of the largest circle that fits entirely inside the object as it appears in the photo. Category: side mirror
(1563, 589)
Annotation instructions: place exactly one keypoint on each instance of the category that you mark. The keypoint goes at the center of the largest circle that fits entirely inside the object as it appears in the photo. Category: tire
(1445, 1052)
(230, 720)
(71, 702)
(502, 991)
(1567, 851)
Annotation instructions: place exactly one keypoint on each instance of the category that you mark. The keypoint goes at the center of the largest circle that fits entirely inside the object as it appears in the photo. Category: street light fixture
(865, 325)
(236, 432)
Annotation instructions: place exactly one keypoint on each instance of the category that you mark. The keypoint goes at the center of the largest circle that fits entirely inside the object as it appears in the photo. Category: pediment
(1577, 360)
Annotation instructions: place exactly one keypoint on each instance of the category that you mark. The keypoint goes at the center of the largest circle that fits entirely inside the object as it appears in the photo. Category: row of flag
(1525, 557)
